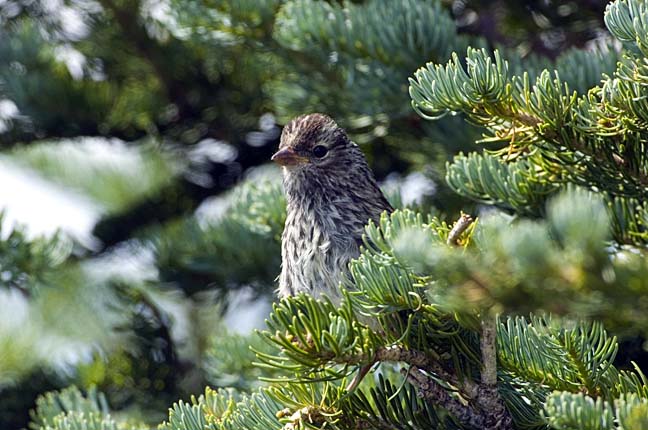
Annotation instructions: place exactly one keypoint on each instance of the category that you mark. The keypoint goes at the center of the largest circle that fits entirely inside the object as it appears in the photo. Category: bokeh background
(139, 235)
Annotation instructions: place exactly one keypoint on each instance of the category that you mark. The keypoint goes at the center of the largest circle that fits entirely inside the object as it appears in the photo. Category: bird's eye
(319, 151)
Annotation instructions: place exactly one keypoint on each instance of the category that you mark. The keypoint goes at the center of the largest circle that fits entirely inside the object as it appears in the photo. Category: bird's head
(314, 141)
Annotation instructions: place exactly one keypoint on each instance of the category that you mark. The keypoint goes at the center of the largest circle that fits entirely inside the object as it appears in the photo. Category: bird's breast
(315, 252)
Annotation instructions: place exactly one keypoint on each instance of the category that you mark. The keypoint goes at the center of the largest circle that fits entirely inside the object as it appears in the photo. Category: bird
(331, 194)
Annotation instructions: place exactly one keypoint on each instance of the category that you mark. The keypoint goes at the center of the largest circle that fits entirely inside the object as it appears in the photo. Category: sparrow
(331, 195)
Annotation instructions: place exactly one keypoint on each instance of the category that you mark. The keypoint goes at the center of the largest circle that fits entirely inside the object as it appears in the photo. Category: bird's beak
(288, 157)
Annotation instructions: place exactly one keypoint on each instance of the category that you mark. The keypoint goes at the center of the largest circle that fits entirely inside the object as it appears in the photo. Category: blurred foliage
(25, 264)
(534, 26)
(61, 314)
(156, 110)
(230, 362)
(556, 265)
(50, 406)
(112, 174)
(198, 255)
(150, 365)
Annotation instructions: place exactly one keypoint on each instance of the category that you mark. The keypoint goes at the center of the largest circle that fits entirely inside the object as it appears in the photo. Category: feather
(331, 194)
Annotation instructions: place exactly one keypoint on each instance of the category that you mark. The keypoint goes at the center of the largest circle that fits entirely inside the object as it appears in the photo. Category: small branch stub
(488, 350)
(459, 227)
(498, 417)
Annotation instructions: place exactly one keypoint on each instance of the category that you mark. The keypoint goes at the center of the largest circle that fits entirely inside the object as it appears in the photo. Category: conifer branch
(431, 390)
(485, 414)
(421, 360)
(374, 424)
(484, 409)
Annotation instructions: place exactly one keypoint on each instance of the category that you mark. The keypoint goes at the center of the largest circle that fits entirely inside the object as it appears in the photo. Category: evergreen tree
(495, 322)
